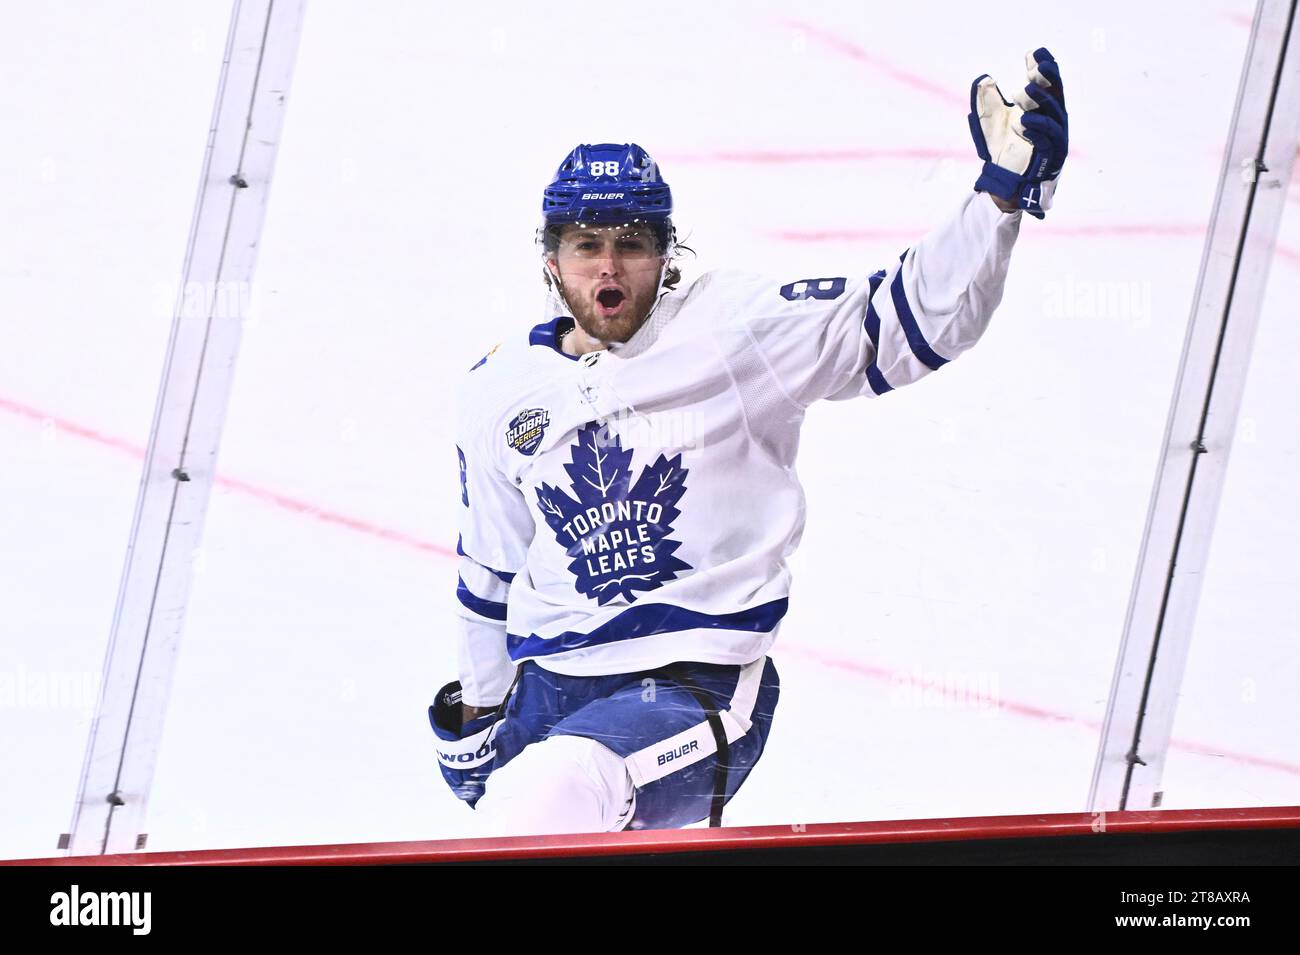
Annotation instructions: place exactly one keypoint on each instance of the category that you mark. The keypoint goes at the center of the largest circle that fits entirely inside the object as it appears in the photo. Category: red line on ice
(854, 52)
(1027, 710)
(781, 156)
(914, 81)
(1282, 252)
(1137, 229)
(264, 494)
(70, 427)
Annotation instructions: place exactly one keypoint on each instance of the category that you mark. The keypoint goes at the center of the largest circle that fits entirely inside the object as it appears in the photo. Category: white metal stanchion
(1203, 417)
(178, 472)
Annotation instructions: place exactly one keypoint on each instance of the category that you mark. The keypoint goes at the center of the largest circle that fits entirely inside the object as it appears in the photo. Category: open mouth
(610, 301)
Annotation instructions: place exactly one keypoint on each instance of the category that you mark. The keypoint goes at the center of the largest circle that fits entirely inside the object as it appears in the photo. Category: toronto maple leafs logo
(616, 531)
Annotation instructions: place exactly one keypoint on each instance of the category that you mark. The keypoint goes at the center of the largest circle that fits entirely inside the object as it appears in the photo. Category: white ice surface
(979, 529)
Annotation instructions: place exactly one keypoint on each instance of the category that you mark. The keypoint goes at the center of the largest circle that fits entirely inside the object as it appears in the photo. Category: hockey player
(627, 485)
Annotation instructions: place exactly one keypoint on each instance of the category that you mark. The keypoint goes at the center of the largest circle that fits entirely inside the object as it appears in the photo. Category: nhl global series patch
(524, 433)
(616, 532)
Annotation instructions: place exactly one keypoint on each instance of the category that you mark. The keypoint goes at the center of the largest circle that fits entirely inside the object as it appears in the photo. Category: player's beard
(617, 328)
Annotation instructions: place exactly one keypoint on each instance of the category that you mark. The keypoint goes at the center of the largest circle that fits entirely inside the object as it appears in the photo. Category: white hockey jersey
(635, 506)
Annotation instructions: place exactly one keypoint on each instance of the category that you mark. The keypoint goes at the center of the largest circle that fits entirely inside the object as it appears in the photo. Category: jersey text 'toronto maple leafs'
(616, 532)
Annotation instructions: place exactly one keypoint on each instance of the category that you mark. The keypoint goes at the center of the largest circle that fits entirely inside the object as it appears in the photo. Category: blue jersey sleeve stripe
(871, 324)
(484, 608)
(646, 620)
(920, 347)
(876, 380)
(503, 575)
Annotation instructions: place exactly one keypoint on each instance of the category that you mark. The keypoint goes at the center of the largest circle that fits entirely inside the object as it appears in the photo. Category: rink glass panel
(1234, 738)
(106, 116)
(961, 586)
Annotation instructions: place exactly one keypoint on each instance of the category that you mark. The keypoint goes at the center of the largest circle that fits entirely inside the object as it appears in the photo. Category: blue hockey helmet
(608, 184)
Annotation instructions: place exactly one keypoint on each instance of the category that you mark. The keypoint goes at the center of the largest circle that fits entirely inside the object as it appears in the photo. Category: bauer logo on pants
(690, 747)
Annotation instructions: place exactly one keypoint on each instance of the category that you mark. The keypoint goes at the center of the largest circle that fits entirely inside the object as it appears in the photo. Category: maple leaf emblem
(616, 532)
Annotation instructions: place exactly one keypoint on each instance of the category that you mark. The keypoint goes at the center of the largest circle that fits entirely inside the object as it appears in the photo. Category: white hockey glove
(1023, 144)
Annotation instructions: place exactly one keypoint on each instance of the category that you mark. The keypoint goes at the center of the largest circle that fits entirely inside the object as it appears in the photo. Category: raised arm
(839, 338)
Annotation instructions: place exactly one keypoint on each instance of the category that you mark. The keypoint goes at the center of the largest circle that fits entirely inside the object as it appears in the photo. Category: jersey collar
(547, 334)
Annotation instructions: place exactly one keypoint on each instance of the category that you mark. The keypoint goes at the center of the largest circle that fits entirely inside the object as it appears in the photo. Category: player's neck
(578, 342)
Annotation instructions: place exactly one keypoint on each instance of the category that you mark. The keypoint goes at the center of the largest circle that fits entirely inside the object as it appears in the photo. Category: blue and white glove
(1023, 144)
(466, 753)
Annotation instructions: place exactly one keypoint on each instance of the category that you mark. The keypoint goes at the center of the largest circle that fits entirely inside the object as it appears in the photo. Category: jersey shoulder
(746, 289)
(719, 283)
(737, 297)
(510, 372)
